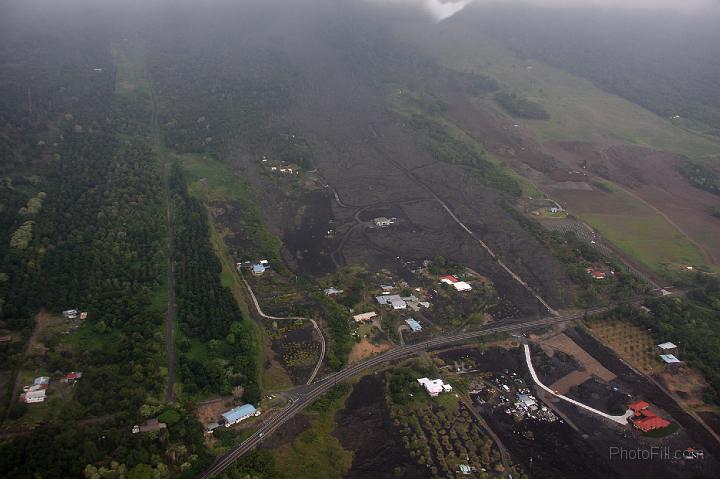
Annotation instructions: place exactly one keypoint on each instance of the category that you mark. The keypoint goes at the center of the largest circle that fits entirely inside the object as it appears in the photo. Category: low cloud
(441, 9)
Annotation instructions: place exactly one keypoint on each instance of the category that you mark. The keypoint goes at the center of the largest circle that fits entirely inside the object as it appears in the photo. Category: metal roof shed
(239, 413)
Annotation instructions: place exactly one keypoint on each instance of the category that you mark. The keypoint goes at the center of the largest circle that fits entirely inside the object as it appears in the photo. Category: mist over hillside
(234, 234)
(664, 59)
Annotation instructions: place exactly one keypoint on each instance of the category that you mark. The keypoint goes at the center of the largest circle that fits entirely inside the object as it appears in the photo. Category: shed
(670, 359)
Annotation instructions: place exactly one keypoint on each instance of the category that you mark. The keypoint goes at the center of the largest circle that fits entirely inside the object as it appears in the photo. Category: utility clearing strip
(618, 419)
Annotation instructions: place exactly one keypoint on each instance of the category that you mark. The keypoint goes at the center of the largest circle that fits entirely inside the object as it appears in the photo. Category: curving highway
(303, 396)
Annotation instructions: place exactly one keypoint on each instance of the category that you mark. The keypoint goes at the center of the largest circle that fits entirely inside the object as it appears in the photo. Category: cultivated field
(634, 344)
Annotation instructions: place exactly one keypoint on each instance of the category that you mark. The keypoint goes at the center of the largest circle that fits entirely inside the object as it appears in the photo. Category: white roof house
(669, 359)
(462, 286)
(667, 345)
(398, 304)
(434, 386)
(393, 300)
(364, 316)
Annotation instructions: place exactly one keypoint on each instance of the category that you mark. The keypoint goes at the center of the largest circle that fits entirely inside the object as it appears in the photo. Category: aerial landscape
(259, 239)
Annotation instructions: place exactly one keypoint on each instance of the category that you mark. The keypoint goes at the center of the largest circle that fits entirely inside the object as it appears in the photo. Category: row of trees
(207, 310)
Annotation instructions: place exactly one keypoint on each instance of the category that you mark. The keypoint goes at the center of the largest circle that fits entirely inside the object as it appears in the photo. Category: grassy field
(634, 344)
(634, 227)
(578, 109)
(316, 453)
(130, 77)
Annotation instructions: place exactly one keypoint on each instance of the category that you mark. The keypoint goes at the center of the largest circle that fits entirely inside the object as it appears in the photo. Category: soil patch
(365, 349)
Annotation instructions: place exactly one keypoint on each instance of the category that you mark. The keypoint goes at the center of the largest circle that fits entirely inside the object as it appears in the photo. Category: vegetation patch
(521, 107)
(316, 452)
(700, 176)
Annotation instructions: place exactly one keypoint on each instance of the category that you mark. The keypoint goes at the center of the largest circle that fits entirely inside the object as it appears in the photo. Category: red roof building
(638, 406)
(647, 424)
(449, 279)
(644, 419)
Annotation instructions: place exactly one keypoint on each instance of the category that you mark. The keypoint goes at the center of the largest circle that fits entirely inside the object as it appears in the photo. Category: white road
(618, 419)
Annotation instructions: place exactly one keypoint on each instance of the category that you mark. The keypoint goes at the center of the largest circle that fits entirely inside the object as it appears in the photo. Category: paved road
(302, 396)
(314, 323)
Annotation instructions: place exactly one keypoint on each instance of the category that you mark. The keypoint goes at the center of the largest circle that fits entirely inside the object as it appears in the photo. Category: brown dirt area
(562, 342)
(365, 349)
(688, 385)
(209, 411)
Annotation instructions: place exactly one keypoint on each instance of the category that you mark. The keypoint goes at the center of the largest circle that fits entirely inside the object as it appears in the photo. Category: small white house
(434, 386)
(364, 316)
(462, 286)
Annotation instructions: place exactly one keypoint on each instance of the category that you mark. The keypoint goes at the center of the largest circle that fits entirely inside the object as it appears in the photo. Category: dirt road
(314, 323)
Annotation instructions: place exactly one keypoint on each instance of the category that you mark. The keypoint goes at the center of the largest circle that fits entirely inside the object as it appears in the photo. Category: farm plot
(634, 344)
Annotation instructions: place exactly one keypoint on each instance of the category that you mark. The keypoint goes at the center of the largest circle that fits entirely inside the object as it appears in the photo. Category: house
(398, 304)
(393, 300)
(638, 406)
(462, 286)
(364, 316)
(83, 316)
(387, 287)
(42, 381)
(5, 338)
(465, 469)
(527, 401)
(382, 222)
(258, 269)
(449, 279)
(332, 291)
(37, 395)
(414, 325)
(434, 386)
(554, 209)
(72, 376)
(666, 347)
(644, 419)
(239, 413)
(70, 314)
(596, 274)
